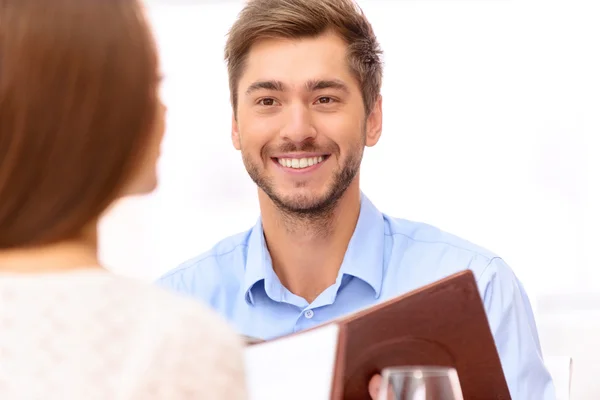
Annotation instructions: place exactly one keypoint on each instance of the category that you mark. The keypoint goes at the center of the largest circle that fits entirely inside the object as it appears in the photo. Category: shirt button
(309, 314)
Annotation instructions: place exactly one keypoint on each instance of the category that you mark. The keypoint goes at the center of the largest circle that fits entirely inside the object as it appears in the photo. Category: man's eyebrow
(321, 84)
(265, 85)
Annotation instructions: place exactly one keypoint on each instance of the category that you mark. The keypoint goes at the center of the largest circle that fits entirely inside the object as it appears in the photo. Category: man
(305, 79)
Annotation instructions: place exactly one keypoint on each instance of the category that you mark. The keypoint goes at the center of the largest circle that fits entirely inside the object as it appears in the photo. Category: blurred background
(491, 118)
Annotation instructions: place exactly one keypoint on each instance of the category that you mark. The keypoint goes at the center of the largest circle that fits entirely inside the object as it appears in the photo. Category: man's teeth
(300, 162)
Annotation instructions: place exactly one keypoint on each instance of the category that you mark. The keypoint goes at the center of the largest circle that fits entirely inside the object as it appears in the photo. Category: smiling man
(305, 79)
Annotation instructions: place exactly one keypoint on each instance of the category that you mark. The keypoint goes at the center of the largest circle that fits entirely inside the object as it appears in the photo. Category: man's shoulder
(442, 248)
(224, 262)
(425, 234)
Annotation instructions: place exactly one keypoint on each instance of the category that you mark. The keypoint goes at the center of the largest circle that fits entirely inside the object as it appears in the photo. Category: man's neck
(307, 254)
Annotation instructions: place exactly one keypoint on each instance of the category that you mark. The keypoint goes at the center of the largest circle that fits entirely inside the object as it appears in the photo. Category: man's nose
(298, 125)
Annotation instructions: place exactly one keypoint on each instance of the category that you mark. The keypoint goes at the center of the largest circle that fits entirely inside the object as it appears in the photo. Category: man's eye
(267, 102)
(324, 100)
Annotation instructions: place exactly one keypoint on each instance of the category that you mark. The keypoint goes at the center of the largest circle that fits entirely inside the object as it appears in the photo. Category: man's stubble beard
(316, 213)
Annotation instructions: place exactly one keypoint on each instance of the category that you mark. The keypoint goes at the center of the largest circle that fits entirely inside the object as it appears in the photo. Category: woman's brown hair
(78, 99)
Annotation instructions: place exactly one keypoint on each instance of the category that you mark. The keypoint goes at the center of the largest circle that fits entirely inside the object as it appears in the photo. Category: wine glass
(420, 383)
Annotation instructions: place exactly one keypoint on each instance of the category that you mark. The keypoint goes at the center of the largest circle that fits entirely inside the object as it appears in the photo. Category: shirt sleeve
(513, 326)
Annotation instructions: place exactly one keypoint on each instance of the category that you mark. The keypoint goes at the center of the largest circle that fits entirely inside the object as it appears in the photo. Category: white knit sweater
(93, 335)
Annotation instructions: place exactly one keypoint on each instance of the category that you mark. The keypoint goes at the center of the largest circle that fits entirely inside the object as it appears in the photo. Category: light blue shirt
(386, 257)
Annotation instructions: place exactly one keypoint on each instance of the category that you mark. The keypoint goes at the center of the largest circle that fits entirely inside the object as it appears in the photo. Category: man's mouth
(299, 163)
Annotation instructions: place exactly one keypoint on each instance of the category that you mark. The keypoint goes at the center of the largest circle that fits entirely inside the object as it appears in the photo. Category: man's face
(301, 124)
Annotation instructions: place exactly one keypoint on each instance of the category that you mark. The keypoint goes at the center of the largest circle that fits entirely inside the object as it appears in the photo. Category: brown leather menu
(441, 324)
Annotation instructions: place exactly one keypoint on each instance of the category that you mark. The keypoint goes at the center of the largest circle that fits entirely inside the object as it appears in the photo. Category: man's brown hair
(295, 19)
(78, 99)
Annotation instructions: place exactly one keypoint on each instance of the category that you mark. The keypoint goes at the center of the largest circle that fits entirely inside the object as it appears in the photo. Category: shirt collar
(258, 260)
(364, 256)
(363, 259)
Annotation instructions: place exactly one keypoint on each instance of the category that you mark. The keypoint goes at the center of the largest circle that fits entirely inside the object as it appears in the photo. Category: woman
(81, 124)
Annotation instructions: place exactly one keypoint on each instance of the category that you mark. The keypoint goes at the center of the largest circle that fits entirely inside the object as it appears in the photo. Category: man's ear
(235, 133)
(375, 123)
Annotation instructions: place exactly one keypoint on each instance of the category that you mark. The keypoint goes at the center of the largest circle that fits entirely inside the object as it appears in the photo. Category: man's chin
(302, 204)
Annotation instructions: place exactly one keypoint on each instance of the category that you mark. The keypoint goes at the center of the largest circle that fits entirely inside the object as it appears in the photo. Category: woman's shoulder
(195, 346)
(167, 307)
(169, 346)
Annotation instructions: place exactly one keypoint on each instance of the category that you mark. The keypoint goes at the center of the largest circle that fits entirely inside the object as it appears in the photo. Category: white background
(491, 113)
